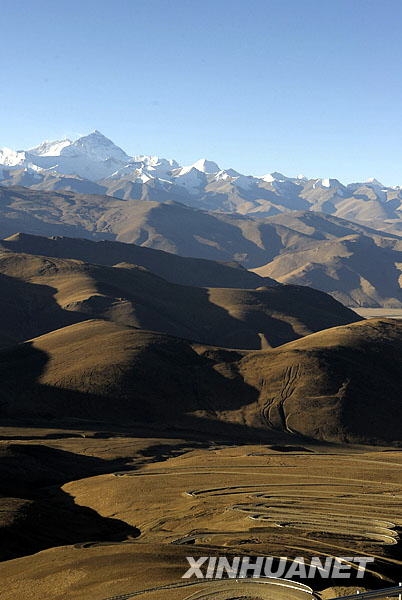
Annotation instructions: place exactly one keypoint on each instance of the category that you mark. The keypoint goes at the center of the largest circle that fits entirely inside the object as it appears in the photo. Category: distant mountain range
(93, 164)
(357, 265)
(187, 299)
(345, 240)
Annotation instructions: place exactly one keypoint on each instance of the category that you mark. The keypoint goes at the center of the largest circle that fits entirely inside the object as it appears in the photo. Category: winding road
(228, 589)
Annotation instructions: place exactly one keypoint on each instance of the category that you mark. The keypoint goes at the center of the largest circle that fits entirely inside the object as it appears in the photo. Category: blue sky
(298, 86)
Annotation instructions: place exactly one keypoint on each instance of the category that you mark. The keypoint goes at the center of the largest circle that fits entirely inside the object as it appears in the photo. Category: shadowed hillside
(343, 384)
(355, 270)
(358, 265)
(56, 292)
(177, 269)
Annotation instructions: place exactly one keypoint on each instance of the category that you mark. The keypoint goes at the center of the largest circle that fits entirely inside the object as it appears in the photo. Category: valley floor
(140, 505)
(378, 313)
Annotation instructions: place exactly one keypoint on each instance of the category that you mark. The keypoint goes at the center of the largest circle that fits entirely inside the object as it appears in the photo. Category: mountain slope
(92, 156)
(357, 264)
(170, 225)
(342, 384)
(176, 269)
(94, 164)
(357, 270)
(55, 292)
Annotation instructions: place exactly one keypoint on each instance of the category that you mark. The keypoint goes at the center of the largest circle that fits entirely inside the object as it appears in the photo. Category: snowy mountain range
(93, 164)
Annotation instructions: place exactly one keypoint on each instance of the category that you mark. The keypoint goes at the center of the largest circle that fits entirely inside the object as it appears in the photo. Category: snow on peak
(11, 158)
(244, 181)
(50, 148)
(190, 178)
(268, 178)
(156, 166)
(92, 157)
(327, 183)
(373, 181)
(227, 174)
(156, 161)
(275, 176)
(96, 147)
(206, 166)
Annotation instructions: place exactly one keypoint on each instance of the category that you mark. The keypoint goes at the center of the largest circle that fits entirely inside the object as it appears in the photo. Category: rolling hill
(354, 269)
(173, 268)
(356, 264)
(55, 292)
(343, 384)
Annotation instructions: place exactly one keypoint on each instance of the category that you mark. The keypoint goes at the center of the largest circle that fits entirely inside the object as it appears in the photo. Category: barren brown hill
(343, 384)
(356, 270)
(177, 269)
(357, 264)
(98, 371)
(257, 485)
(169, 226)
(172, 226)
(54, 292)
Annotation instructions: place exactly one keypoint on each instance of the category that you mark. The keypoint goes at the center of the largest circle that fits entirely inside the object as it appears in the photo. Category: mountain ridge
(93, 163)
(358, 265)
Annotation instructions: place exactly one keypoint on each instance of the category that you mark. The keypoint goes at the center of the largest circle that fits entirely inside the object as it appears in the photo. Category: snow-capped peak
(373, 181)
(156, 166)
(268, 178)
(327, 183)
(206, 166)
(50, 148)
(92, 157)
(97, 147)
(226, 174)
(190, 178)
(275, 176)
(156, 161)
(244, 181)
(11, 158)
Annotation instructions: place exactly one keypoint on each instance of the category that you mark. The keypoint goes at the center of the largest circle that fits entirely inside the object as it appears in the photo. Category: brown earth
(219, 500)
(143, 421)
(40, 294)
(343, 384)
